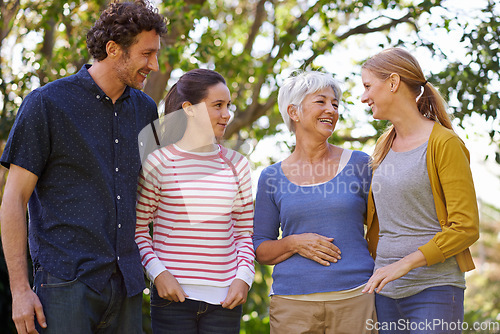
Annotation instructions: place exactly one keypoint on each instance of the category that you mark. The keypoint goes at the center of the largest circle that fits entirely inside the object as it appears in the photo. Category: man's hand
(25, 303)
(237, 294)
(169, 288)
(25, 307)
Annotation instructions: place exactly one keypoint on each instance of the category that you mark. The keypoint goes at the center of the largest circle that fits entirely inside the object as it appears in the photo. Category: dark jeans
(438, 309)
(72, 307)
(192, 317)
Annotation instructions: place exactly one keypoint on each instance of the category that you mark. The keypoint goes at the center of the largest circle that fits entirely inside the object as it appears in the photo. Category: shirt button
(116, 169)
(116, 114)
(116, 141)
(118, 197)
(107, 98)
(118, 258)
(98, 97)
(119, 225)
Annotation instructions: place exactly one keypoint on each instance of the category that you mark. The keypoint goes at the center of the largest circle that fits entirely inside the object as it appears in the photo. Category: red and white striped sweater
(202, 212)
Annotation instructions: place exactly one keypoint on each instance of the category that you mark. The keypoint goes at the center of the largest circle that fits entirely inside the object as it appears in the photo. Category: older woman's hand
(316, 247)
(309, 245)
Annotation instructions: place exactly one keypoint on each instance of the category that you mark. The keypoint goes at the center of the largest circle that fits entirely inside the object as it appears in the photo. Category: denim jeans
(192, 317)
(72, 307)
(438, 309)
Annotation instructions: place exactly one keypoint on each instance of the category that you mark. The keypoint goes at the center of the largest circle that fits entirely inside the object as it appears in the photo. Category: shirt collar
(89, 84)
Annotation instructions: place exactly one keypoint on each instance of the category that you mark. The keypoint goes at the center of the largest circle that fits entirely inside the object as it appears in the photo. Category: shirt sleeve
(28, 145)
(462, 226)
(267, 216)
(148, 197)
(243, 223)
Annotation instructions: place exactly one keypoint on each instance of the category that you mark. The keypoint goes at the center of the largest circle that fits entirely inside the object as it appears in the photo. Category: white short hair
(298, 86)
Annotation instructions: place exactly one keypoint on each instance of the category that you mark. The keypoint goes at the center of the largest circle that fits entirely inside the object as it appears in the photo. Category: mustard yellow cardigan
(454, 197)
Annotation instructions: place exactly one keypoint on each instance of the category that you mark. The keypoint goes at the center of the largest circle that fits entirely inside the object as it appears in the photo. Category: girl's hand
(237, 294)
(169, 288)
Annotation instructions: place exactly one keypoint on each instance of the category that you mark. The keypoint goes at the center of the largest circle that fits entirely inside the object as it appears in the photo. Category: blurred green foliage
(254, 44)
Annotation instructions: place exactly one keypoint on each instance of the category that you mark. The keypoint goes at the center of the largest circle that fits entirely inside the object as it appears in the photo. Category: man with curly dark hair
(74, 161)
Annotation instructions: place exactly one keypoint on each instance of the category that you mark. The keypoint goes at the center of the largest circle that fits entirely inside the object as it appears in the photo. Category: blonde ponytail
(383, 146)
(432, 105)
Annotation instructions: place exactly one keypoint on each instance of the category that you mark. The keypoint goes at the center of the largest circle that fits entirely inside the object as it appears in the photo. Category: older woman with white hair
(317, 197)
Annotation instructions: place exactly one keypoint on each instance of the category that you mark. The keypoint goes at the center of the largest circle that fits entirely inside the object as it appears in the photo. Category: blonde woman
(422, 206)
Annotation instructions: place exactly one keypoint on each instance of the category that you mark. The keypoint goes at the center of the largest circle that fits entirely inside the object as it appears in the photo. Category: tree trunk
(157, 84)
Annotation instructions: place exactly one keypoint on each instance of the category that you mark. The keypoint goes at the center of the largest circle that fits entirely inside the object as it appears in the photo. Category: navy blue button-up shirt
(84, 150)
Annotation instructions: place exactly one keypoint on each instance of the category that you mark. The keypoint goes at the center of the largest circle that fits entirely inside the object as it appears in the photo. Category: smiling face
(217, 104)
(320, 112)
(133, 66)
(377, 94)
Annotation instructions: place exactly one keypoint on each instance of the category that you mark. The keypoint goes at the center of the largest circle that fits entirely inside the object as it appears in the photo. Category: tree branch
(361, 29)
(260, 12)
(245, 119)
(365, 29)
(6, 16)
(256, 110)
(157, 81)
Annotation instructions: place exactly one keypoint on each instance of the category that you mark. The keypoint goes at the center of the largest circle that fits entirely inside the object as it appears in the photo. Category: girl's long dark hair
(191, 87)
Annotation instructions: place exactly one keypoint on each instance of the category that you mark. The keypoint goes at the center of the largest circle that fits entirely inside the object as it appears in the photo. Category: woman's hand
(237, 294)
(316, 247)
(309, 245)
(169, 288)
(395, 270)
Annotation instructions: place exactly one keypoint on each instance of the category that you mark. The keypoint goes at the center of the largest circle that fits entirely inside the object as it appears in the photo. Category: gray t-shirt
(407, 216)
